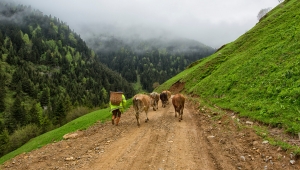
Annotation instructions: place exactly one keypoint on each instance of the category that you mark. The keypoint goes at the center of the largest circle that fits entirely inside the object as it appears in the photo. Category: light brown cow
(141, 102)
(178, 103)
(154, 100)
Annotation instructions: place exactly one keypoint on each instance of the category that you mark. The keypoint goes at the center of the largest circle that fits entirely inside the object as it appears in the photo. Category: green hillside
(48, 76)
(257, 75)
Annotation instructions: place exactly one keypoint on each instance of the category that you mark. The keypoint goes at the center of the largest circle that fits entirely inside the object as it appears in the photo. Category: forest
(49, 75)
(153, 60)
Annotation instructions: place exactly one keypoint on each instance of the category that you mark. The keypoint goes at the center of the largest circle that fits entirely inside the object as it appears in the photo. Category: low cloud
(212, 22)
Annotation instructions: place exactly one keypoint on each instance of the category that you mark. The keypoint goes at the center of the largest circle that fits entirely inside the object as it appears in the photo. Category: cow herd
(143, 102)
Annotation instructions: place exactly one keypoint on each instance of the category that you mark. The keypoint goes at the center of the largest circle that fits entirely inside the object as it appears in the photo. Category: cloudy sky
(211, 22)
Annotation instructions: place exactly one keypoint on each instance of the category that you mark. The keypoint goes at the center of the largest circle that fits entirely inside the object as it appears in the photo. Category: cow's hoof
(146, 120)
(179, 120)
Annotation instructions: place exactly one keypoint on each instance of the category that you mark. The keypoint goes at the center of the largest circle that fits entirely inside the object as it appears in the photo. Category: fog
(211, 22)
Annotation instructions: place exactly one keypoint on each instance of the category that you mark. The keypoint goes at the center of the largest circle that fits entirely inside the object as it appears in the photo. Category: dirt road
(203, 140)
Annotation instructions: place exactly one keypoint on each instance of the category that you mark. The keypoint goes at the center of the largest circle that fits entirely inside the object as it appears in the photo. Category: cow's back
(178, 100)
(168, 93)
(141, 101)
(155, 96)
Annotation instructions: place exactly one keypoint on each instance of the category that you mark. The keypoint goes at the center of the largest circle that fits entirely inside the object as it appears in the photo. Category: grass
(80, 123)
(257, 75)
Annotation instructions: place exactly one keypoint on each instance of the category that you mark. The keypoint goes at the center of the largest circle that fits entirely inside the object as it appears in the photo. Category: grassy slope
(257, 75)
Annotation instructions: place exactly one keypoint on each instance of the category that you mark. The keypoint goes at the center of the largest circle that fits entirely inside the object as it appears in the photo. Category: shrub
(23, 135)
(75, 113)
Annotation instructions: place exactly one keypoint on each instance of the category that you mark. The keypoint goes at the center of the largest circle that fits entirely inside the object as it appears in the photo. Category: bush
(75, 113)
(23, 135)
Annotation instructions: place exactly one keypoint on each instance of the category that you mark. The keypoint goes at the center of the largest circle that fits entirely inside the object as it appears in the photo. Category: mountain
(257, 75)
(149, 62)
(48, 75)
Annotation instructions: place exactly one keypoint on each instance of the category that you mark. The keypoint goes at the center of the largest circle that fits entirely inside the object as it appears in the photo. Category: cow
(141, 102)
(154, 100)
(164, 98)
(178, 103)
(169, 95)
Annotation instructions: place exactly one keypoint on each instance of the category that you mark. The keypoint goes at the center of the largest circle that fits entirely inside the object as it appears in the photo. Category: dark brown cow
(141, 102)
(178, 103)
(168, 95)
(164, 98)
(154, 100)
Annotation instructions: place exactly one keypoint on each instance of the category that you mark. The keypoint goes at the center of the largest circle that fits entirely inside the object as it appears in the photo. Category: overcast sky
(211, 22)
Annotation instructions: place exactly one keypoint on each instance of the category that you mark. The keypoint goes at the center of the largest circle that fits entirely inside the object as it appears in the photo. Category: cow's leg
(175, 112)
(154, 107)
(180, 113)
(146, 120)
(137, 118)
(113, 119)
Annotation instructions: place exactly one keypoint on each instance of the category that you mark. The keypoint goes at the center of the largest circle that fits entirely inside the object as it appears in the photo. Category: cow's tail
(137, 105)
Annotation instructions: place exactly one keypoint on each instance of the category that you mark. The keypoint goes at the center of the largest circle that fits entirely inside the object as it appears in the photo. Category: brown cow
(168, 96)
(178, 103)
(154, 100)
(168, 93)
(164, 98)
(141, 102)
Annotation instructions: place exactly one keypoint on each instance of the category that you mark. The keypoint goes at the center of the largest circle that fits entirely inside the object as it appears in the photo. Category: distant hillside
(258, 75)
(47, 75)
(153, 60)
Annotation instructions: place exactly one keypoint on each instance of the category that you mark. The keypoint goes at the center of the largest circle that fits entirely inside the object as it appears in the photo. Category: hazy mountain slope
(257, 75)
(153, 60)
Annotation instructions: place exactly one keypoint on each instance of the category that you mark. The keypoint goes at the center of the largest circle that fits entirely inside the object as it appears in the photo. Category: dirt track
(196, 143)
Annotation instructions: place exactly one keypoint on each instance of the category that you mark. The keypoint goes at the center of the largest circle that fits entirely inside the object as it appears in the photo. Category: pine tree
(18, 112)
(33, 116)
(2, 92)
(44, 100)
(4, 140)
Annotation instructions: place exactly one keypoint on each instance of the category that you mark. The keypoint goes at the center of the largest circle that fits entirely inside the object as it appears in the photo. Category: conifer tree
(2, 92)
